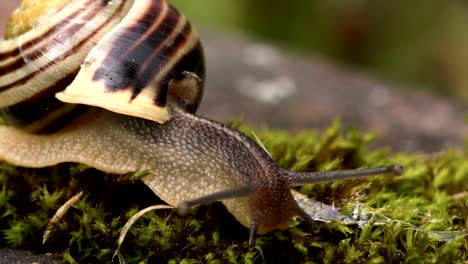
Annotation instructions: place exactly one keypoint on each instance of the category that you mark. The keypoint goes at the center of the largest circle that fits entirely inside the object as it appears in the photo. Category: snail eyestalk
(301, 178)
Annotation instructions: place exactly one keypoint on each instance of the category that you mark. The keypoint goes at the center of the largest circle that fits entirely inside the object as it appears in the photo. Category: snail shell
(128, 55)
(114, 85)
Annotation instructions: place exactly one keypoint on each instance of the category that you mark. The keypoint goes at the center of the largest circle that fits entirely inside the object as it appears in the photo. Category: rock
(267, 85)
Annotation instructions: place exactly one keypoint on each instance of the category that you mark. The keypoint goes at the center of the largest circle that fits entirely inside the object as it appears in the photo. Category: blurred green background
(420, 42)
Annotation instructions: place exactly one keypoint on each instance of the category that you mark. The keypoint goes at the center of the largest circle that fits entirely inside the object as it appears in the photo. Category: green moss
(431, 195)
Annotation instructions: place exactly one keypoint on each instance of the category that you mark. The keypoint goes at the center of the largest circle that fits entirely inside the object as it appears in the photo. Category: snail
(115, 85)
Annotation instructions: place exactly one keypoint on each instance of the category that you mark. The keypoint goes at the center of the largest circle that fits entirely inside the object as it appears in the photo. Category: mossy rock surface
(430, 195)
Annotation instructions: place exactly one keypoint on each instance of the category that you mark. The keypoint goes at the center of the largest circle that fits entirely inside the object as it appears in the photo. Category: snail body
(114, 85)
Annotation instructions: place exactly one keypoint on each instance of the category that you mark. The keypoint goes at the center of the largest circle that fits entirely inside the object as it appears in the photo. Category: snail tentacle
(301, 178)
(236, 192)
(253, 230)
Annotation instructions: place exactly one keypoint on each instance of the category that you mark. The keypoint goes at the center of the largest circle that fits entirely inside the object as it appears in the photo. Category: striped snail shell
(114, 85)
(118, 55)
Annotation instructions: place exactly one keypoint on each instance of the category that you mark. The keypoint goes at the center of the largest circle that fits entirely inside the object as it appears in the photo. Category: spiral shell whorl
(95, 39)
(30, 14)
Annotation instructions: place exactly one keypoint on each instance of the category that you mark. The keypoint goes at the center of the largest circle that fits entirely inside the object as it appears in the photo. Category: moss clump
(431, 195)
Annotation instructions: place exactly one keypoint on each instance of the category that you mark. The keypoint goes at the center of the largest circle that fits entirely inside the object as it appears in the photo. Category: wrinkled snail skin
(211, 158)
(114, 85)
(186, 151)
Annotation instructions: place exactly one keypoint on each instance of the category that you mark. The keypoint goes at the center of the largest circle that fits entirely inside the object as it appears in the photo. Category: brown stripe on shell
(135, 69)
(54, 120)
(151, 25)
(168, 52)
(44, 75)
(60, 37)
(158, 60)
(41, 110)
(60, 119)
(44, 38)
(36, 108)
(125, 69)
